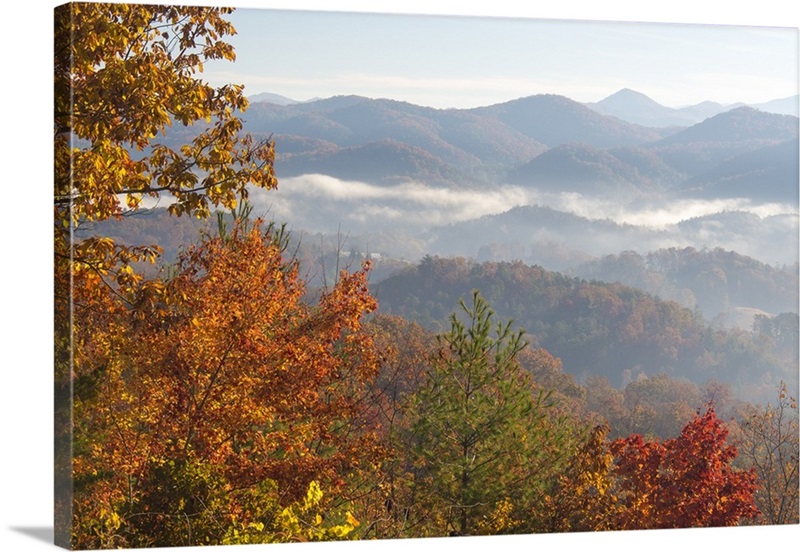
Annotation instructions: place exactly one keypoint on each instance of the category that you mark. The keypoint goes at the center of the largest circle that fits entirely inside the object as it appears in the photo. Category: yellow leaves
(305, 523)
(119, 85)
(301, 521)
(110, 520)
(499, 521)
(313, 496)
(126, 278)
(350, 520)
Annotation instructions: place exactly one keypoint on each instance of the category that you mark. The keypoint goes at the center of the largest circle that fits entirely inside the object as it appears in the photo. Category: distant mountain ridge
(269, 97)
(769, 172)
(503, 143)
(720, 139)
(396, 161)
(635, 107)
(741, 124)
(584, 169)
(518, 179)
(556, 120)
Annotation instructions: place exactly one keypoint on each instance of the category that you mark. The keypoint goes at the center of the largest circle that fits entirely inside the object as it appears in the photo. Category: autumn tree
(608, 403)
(583, 498)
(480, 440)
(768, 443)
(208, 409)
(659, 405)
(687, 481)
(125, 74)
(568, 397)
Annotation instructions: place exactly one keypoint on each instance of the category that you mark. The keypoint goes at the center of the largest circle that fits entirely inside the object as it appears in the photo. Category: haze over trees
(227, 381)
(595, 328)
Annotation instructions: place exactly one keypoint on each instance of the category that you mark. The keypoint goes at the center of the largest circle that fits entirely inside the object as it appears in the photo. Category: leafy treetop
(123, 74)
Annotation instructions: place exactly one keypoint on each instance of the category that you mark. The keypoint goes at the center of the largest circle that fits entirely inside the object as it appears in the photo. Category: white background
(25, 264)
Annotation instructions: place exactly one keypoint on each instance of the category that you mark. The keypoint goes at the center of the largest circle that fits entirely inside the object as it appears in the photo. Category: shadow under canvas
(44, 534)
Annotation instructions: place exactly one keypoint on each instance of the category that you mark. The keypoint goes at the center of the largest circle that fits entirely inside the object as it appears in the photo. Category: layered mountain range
(636, 107)
(545, 142)
(542, 179)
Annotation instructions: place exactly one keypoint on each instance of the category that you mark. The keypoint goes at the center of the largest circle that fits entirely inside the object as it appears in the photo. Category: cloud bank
(411, 219)
(324, 203)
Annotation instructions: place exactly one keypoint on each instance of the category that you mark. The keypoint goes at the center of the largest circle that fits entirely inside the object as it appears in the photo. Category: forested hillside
(717, 282)
(595, 328)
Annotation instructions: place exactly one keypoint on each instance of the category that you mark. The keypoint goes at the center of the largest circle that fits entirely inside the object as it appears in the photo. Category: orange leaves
(683, 482)
(351, 296)
(223, 365)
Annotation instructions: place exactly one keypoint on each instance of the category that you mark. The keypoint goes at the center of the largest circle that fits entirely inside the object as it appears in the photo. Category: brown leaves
(768, 443)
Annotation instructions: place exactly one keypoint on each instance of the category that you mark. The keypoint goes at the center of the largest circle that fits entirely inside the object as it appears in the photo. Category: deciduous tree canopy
(123, 74)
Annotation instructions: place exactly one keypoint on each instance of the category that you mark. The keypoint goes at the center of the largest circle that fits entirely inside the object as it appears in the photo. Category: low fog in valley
(444, 221)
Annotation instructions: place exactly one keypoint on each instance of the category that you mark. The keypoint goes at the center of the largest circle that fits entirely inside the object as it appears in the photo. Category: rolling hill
(586, 170)
(595, 328)
(766, 174)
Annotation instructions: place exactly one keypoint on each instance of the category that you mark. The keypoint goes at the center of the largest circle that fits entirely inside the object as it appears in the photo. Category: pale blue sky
(460, 61)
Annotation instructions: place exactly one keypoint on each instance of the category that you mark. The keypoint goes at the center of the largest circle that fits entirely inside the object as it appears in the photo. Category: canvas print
(347, 276)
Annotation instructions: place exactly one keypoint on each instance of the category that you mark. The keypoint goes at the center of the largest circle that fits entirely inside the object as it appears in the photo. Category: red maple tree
(687, 481)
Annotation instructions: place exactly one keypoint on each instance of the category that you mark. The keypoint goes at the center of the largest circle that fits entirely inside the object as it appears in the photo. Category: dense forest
(220, 381)
(597, 328)
(714, 281)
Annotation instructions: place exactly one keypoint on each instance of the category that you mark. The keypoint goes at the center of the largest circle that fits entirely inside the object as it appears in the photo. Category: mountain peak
(635, 107)
(627, 94)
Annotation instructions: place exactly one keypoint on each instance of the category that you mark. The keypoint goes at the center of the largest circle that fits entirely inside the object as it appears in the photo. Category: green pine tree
(482, 444)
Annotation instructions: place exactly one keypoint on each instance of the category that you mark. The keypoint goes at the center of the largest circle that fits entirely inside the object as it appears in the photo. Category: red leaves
(683, 482)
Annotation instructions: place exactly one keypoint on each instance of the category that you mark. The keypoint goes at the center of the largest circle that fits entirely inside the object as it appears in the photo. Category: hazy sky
(460, 61)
